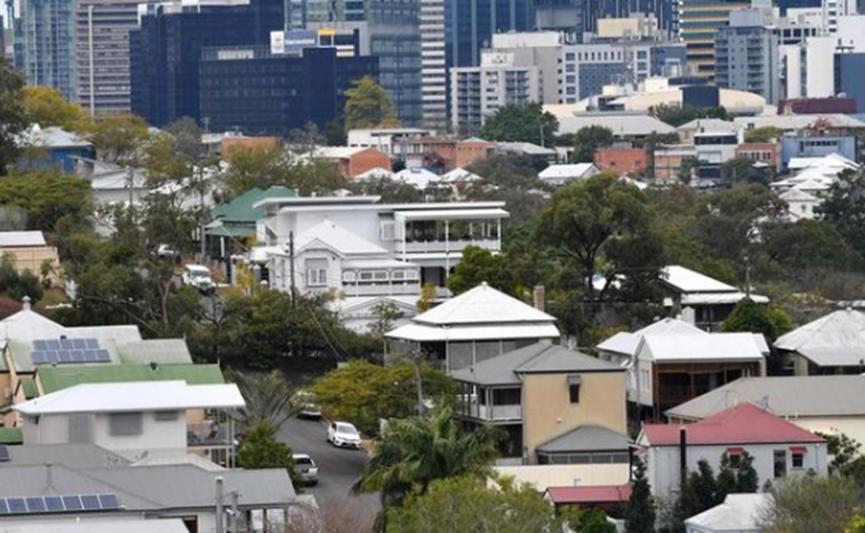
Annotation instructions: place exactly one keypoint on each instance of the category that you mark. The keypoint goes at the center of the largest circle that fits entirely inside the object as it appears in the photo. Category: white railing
(380, 289)
(450, 246)
(494, 412)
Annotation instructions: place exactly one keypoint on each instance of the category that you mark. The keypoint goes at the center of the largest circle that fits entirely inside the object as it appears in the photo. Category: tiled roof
(597, 494)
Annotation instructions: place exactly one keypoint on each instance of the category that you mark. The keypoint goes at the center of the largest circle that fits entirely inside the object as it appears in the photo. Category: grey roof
(71, 455)
(162, 351)
(536, 358)
(101, 524)
(622, 123)
(817, 396)
(587, 438)
(837, 339)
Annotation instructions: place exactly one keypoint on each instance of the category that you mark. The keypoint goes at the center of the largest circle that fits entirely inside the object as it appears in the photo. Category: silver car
(306, 467)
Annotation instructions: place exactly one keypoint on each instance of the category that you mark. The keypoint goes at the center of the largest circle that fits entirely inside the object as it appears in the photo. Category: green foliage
(762, 135)
(390, 190)
(686, 169)
(414, 452)
(259, 448)
(844, 208)
(47, 107)
(809, 245)
(741, 170)
(805, 504)
(267, 396)
(702, 482)
(386, 313)
(588, 140)
(588, 521)
(856, 524)
(480, 265)
(266, 167)
(726, 481)
(120, 138)
(17, 285)
(640, 510)
(746, 475)
(367, 105)
(748, 315)
(47, 196)
(847, 457)
(428, 294)
(521, 123)
(675, 115)
(508, 170)
(13, 115)
(362, 392)
(466, 503)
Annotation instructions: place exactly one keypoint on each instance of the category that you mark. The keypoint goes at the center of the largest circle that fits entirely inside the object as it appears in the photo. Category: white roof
(795, 122)
(336, 152)
(426, 333)
(524, 148)
(709, 124)
(77, 524)
(574, 171)
(833, 160)
(375, 173)
(133, 396)
(420, 178)
(717, 298)
(460, 175)
(837, 339)
(626, 342)
(710, 347)
(338, 238)
(21, 238)
(483, 305)
(687, 280)
(739, 513)
(621, 123)
(52, 137)
(442, 214)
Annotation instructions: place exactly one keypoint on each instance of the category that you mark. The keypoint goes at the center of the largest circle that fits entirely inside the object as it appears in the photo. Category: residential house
(460, 176)
(353, 247)
(832, 344)
(821, 404)
(778, 447)
(110, 182)
(556, 405)
(444, 154)
(377, 173)
(478, 324)
(740, 513)
(136, 419)
(622, 160)
(418, 177)
(829, 123)
(765, 153)
(674, 368)
(543, 476)
(811, 179)
(394, 142)
(558, 175)
(608, 498)
(352, 161)
(30, 252)
(811, 145)
(801, 205)
(688, 130)
(538, 154)
(711, 300)
(52, 148)
(669, 161)
(626, 125)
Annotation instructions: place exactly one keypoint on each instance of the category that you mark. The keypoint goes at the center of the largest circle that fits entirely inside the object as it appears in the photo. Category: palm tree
(416, 451)
(268, 399)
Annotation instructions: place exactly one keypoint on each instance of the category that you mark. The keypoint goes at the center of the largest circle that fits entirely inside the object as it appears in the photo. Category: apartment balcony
(450, 246)
(380, 289)
(490, 413)
(208, 434)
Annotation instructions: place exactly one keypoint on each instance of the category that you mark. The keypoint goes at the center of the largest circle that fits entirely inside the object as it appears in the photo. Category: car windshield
(199, 274)
(303, 461)
(343, 428)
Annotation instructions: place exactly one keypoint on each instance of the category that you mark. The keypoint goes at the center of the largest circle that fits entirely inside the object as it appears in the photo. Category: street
(338, 469)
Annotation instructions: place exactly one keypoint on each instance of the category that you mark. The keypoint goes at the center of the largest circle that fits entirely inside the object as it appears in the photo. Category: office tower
(699, 20)
(747, 56)
(47, 40)
(166, 48)
(848, 77)
(264, 91)
(395, 39)
(433, 68)
(587, 68)
(469, 25)
(541, 49)
(808, 68)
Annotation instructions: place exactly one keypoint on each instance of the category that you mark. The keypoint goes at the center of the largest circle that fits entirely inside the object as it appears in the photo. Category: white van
(197, 276)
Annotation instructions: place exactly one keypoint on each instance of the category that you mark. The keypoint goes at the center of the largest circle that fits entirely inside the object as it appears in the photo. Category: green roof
(54, 378)
(236, 230)
(11, 436)
(240, 209)
(29, 386)
(162, 351)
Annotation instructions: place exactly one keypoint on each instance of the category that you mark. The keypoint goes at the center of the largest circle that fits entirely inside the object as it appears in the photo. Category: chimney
(683, 455)
(26, 303)
(539, 297)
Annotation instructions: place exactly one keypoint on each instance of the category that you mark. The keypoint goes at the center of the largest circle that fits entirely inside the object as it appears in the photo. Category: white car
(197, 276)
(306, 467)
(343, 435)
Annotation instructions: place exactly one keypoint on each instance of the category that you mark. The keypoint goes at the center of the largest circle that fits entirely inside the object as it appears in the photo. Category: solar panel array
(59, 504)
(4, 454)
(65, 351)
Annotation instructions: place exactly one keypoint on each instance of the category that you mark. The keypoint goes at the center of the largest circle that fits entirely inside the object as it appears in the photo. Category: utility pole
(201, 185)
(220, 505)
(291, 263)
(416, 359)
(747, 277)
(131, 173)
(235, 512)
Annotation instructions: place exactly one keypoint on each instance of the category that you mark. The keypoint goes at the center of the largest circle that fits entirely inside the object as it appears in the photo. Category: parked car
(165, 251)
(306, 467)
(343, 435)
(302, 401)
(197, 276)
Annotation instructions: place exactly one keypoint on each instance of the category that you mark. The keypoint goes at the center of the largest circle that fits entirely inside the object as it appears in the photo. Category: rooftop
(338, 238)
(79, 455)
(55, 378)
(626, 342)
(10, 239)
(589, 494)
(622, 123)
(578, 170)
(739, 512)
(587, 438)
(686, 280)
(744, 423)
(837, 339)
(792, 122)
(702, 347)
(482, 305)
(785, 396)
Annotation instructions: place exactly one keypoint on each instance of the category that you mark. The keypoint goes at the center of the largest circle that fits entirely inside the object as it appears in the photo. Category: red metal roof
(743, 424)
(597, 494)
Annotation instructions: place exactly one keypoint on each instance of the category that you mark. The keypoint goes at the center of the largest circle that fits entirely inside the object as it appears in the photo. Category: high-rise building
(395, 39)
(807, 69)
(268, 91)
(699, 20)
(433, 67)
(470, 24)
(47, 40)
(166, 48)
(848, 77)
(747, 56)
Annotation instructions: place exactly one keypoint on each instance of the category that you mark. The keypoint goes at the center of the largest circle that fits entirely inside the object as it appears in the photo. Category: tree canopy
(13, 115)
(259, 448)
(521, 123)
(758, 318)
(47, 107)
(587, 141)
(368, 105)
(480, 265)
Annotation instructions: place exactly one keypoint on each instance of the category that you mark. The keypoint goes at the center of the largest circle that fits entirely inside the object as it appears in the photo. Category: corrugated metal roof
(626, 343)
(55, 378)
(427, 333)
(161, 351)
(701, 348)
(687, 280)
(240, 208)
(77, 524)
(627, 124)
(483, 305)
(837, 339)
(586, 438)
(739, 512)
(69, 455)
(21, 238)
(596, 494)
(340, 239)
(572, 171)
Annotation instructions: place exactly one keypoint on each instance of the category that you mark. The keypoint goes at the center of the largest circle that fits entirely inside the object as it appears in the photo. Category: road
(338, 469)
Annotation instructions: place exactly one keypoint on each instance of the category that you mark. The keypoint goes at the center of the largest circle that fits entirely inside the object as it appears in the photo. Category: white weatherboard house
(562, 174)
(135, 419)
(362, 251)
(833, 344)
(479, 324)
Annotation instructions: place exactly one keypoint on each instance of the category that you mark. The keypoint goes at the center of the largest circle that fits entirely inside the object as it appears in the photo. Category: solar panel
(4, 509)
(35, 504)
(65, 356)
(103, 355)
(92, 344)
(109, 501)
(40, 345)
(38, 357)
(77, 356)
(51, 356)
(54, 503)
(67, 344)
(72, 503)
(53, 344)
(79, 344)
(90, 502)
(90, 355)
(16, 505)
(4, 454)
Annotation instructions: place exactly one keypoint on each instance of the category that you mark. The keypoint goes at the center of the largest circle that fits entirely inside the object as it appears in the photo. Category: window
(797, 456)
(780, 457)
(121, 424)
(574, 383)
(316, 272)
(735, 455)
(166, 416)
(387, 230)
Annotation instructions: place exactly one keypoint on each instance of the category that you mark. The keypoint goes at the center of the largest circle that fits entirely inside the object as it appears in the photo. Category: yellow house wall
(548, 412)
(31, 258)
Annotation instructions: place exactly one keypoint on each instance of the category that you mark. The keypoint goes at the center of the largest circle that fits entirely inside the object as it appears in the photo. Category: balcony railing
(491, 412)
(450, 246)
(207, 434)
(379, 289)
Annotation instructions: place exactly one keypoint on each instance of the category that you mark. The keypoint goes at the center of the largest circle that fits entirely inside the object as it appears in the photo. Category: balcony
(380, 289)
(208, 434)
(450, 246)
(490, 413)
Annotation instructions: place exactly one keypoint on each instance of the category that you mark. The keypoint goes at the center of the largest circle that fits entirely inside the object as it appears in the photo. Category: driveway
(338, 469)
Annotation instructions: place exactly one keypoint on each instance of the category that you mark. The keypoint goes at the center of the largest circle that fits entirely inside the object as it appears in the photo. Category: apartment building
(433, 64)
(747, 56)
(699, 20)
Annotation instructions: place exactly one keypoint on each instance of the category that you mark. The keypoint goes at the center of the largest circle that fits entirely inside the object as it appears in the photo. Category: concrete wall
(548, 412)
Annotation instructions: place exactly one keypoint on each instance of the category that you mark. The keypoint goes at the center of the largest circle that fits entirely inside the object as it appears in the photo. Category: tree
(726, 483)
(763, 134)
(17, 285)
(746, 475)
(847, 457)
(120, 138)
(260, 448)
(368, 105)
(267, 396)
(588, 521)
(386, 313)
(741, 170)
(748, 315)
(47, 107)
(428, 294)
(363, 392)
(805, 504)
(808, 247)
(266, 167)
(587, 141)
(13, 115)
(687, 505)
(466, 503)
(47, 196)
(687, 168)
(414, 452)
(844, 207)
(521, 123)
(479, 265)
(676, 115)
(702, 482)
(640, 509)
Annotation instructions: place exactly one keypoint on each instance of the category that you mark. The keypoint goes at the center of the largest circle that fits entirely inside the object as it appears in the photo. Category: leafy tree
(588, 521)
(702, 482)
(640, 509)
(466, 503)
(479, 265)
(47, 196)
(856, 524)
(687, 505)
(686, 169)
(390, 190)
(725, 483)
(363, 392)
(414, 452)
(120, 138)
(805, 504)
(762, 135)
(748, 315)
(265, 167)
(676, 115)
(368, 105)
(587, 141)
(334, 133)
(47, 107)
(17, 285)
(510, 171)
(267, 396)
(521, 123)
(746, 475)
(428, 294)
(847, 457)
(808, 245)
(259, 448)
(844, 207)
(741, 170)
(13, 115)
(386, 313)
